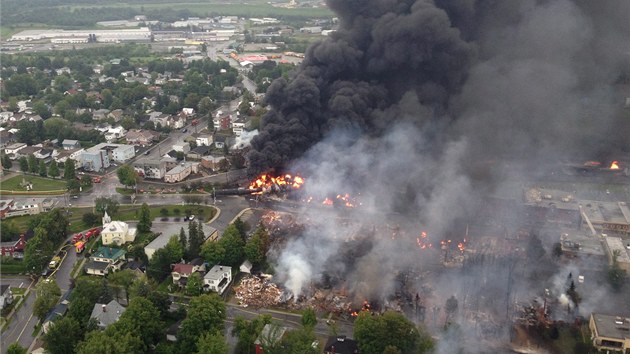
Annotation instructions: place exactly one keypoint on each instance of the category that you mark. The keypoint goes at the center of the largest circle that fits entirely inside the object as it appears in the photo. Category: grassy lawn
(124, 191)
(12, 268)
(39, 184)
(128, 212)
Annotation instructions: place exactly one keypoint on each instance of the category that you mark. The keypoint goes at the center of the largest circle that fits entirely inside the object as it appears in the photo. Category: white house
(204, 139)
(116, 232)
(115, 133)
(14, 148)
(183, 147)
(217, 279)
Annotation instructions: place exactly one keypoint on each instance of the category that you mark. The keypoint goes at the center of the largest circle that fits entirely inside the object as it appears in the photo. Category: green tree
(62, 336)
(241, 227)
(47, 294)
(38, 251)
(233, 244)
(257, 246)
(69, 171)
(205, 106)
(213, 252)
(451, 307)
(102, 204)
(375, 333)
(90, 219)
(194, 285)
(16, 348)
(299, 341)
(309, 318)
(127, 175)
(573, 294)
(41, 108)
(160, 264)
(33, 165)
(110, 342)
(206, 313)
(535, 249)
(195, 240)
(248, 331)
(616, 275)
(182, 238)
(23, 164)
(13, 105)
(212, 343)
(6, 162)
(73, 185)
(122, 280)
(141, 318)
(86, 181)
(144, 221)
(53, 169)
(42, 168)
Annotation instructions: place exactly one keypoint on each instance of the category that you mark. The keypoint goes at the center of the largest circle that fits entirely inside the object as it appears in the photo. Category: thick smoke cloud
(412, 106)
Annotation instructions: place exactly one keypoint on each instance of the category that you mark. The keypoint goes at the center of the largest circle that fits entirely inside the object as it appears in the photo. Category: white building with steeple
(116, 232)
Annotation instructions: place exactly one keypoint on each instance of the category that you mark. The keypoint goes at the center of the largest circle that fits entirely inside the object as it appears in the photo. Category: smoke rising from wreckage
(408, 102)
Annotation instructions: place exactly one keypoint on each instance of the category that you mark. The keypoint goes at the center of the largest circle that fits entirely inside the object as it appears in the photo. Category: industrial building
(616, 249)
(84, 36)
(150, 168)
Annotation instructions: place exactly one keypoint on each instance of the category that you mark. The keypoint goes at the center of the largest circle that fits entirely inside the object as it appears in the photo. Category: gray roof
(113, 311)
(612, 326)
(4, 288)
(172, 229)
(69, 142)
(216, 272)
(96, 265)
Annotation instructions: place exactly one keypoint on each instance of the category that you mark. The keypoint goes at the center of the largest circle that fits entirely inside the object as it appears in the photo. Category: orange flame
(614, 165)
(266, 181)
(327, 201)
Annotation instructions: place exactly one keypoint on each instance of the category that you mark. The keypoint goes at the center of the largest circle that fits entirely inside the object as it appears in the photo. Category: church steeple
(106, 219)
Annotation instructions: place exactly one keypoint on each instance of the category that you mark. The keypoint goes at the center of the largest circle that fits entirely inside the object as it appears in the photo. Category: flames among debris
(266, 182)
(614, 165)
(366, 307)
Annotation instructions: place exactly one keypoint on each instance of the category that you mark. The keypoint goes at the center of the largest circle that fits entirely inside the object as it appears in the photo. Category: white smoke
(244, 140)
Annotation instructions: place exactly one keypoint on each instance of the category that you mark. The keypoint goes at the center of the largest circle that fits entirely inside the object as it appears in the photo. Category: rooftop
(341, 345)
(579, 241)
(612, 326)
(183, 269)
(217, 272)
(616, 244)
(109, 253)
(107, 314)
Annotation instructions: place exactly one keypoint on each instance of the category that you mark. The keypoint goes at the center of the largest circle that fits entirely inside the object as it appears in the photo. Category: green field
(127, 212)
(39, 184)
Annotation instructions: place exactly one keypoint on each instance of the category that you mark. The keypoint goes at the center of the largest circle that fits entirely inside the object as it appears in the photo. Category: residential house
(173, 330)
(239, 125)
(99, 157)
(180, 172)
(151, 168)
(341, 345)
(73, 154)
(198, 152)
(6, 138)
(115, 133)
(14, 249)
(163, 119)
(28, 150)
(142, 137)
(222, 122)
(68, 144)
(58, 311)
(246, 267)
(217, 279)
(610, 333)
(5, 207)
(212, 162)
(5, 117)
(30, 206)
(209, 233)
(188, 112)
(104, 260)
(107, 314)
(100, 114)
(183, 147)
(220, 141)
(6, 296)
(116, 232)
(181, 272)
(12, 149)
(270, 335)
(45, 153)
(203, 139)
(116, 115)
(177, 122)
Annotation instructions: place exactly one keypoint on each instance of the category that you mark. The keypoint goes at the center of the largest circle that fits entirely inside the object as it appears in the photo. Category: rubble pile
(258, 292)
(281, 224)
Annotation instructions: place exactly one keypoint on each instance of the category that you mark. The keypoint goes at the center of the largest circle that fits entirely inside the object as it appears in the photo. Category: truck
(195, 122)
(79, 246)
(54, 262)
(77, 237)
(96, 179)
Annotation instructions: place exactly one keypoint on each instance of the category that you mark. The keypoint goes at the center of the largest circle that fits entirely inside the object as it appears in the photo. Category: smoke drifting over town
(413, 106)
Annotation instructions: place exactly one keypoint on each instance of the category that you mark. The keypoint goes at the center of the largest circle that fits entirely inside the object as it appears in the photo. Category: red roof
(183, 269)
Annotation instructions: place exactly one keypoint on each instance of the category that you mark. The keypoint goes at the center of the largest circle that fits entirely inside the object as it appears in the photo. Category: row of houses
(30, 206)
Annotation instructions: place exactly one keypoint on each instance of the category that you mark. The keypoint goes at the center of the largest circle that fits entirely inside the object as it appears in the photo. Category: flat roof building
(610, 333)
